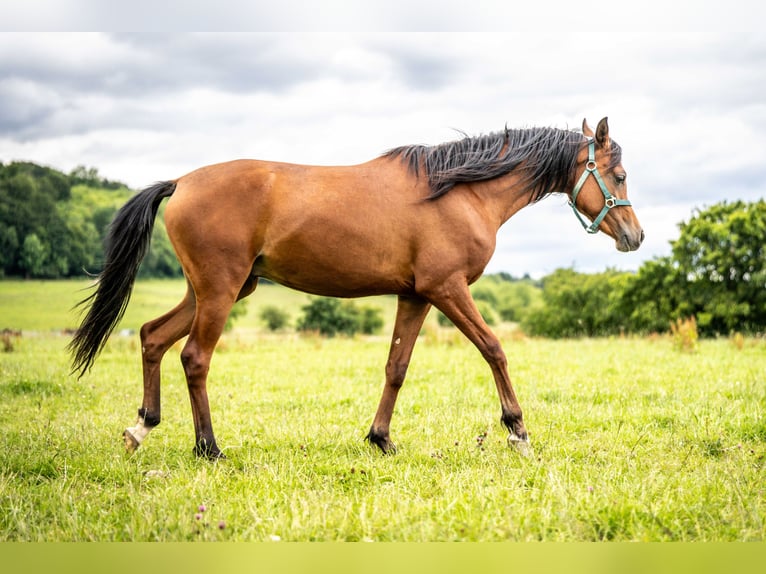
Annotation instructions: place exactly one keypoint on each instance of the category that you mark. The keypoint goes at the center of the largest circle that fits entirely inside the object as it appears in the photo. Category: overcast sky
(685, 92)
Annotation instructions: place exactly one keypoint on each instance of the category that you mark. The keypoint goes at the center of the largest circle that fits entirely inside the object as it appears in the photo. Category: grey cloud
(422, 62)
(46, 83)
(229, 62)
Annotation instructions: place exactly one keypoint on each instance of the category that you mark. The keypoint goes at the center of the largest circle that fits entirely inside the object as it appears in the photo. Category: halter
(609, 200)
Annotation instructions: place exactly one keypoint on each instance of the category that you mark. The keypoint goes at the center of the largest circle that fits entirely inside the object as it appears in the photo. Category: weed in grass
(738, 340)
(684, 334)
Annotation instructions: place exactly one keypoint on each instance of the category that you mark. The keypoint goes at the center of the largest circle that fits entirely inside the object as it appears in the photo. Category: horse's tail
(125, 247)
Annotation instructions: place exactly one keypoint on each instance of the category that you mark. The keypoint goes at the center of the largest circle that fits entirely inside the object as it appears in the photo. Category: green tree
(578, 304)
(721, 257)
(32, 256)
(653, 297)
(9, 246)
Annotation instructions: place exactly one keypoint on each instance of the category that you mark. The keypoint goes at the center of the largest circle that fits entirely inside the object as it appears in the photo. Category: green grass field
(633, 440)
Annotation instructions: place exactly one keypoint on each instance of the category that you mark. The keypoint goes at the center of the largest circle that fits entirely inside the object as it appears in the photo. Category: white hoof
(522, 446)
(131, 443)
(134, 436)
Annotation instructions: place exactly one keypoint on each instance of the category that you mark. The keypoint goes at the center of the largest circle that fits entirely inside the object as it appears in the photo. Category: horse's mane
(546, 156)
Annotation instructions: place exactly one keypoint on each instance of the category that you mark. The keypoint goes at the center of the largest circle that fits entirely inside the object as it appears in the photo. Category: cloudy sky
(684, 88)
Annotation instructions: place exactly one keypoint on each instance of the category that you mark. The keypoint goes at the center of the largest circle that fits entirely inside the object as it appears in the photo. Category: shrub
(370, 320)
(329, 317)
(274, 317)
(580, 304)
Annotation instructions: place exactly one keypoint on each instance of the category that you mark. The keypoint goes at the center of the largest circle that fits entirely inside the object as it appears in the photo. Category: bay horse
(419, 222)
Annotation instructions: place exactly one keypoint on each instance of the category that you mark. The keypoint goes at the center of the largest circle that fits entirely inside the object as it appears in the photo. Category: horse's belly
(335, 272)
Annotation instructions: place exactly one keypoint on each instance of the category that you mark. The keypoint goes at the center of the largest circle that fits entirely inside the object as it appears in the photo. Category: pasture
(633, 440)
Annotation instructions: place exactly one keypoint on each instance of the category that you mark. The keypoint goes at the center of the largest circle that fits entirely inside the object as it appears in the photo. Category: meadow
(633, 439)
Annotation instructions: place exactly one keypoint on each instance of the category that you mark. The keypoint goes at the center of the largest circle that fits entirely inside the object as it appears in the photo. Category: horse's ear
(586, 131)
(602, 135)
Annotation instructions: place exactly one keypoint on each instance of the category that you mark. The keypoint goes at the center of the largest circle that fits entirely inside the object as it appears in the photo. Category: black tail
(126, 245)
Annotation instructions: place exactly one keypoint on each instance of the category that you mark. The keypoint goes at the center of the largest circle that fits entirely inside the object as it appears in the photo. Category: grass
(632, 439)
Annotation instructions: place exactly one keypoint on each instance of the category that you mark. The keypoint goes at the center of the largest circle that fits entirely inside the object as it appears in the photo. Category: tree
(721, 260)
(32, 256)
(9, 245)
(579, 304)
(653, 298)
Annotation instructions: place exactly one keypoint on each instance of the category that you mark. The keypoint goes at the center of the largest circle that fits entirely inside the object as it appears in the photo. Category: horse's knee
(151, 349)
(494, 354)
(395, 374)
(195, 364)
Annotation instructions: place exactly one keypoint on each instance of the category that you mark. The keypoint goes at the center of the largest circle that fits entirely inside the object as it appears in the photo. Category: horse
(419, 222)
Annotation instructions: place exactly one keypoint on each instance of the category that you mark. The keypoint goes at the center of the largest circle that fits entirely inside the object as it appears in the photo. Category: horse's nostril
(642, 237)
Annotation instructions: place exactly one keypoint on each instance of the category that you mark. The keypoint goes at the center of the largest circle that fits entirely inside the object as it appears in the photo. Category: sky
(136, 95)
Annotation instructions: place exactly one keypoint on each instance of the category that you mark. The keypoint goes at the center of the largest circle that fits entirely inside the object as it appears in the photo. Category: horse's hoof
(209, 452)
(383, 442)
(388, 448)
(521, 446)
(131, 442)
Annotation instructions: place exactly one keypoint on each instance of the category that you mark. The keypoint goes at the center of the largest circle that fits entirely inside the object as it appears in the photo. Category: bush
(274, 317)
(510, 299)
(579, 304)
(329, 317)
(370, 320)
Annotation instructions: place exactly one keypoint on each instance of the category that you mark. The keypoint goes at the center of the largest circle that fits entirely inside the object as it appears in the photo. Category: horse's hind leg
(157, 337)
(215, 298)
(410, 314)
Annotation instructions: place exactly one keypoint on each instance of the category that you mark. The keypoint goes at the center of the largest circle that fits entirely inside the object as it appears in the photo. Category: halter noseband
(609, 200)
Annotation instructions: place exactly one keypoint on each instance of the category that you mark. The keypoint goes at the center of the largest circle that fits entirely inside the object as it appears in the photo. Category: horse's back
(345, 230)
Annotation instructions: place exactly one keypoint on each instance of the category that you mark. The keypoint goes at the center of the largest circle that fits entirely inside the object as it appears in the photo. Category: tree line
(52, 225)
(716, 274)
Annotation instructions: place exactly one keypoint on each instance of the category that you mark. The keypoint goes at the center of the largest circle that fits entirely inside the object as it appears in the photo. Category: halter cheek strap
(609, 200)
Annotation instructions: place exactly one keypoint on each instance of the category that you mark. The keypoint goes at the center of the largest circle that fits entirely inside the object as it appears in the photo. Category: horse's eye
(620, 178)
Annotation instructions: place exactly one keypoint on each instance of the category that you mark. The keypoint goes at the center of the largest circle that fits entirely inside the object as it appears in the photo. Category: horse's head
(604, 197)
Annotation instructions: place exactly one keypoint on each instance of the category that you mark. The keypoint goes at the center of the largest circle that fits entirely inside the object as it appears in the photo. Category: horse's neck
(504, 196)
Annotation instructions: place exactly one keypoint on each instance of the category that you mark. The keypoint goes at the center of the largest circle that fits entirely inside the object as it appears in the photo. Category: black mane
(547, 157)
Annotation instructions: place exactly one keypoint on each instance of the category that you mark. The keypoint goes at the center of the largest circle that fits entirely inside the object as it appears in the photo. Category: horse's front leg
(410, 314)
(454, 299)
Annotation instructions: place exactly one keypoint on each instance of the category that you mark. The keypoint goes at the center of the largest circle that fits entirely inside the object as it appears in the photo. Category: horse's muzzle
(630, 241)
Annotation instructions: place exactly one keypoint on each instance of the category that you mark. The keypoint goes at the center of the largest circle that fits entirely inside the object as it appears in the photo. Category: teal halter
(609, 200)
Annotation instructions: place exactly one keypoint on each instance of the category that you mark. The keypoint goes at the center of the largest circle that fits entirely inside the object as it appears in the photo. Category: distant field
(633, 440)
(46, 306)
